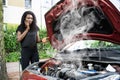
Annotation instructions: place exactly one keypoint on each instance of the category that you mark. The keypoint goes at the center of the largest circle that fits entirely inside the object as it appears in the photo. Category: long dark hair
(33, 26)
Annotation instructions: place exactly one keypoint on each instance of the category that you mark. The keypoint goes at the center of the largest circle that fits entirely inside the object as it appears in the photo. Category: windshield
(94, 50)
(90, 44)
(116, 3)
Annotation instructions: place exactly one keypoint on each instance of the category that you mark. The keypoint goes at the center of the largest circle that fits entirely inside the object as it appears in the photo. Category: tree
(3, 72)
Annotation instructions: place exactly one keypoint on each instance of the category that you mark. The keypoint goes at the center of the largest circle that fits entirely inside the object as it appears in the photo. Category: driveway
(13, 70)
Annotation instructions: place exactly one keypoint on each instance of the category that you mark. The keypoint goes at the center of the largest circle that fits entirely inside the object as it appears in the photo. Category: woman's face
(29, 18)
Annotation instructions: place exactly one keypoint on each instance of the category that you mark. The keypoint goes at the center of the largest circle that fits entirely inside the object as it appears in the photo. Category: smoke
(77, 21)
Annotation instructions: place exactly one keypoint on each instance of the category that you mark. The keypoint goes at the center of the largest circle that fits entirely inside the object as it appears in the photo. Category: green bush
(12, 57)
(10, 38)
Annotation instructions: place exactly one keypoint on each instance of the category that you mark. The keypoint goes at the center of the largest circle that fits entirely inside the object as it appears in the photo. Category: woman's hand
(45, 39)
(27, 24)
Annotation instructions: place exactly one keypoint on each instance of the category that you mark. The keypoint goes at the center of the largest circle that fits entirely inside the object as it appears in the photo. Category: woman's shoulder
(37, 28)
(20, 28)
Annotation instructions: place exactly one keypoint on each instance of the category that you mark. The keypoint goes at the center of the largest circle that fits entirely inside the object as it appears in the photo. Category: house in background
(14, 9)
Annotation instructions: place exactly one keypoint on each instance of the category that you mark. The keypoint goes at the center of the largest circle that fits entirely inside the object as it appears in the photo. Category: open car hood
(70, 21)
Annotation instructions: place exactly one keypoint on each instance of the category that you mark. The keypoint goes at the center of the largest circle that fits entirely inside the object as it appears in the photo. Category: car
(86, 34)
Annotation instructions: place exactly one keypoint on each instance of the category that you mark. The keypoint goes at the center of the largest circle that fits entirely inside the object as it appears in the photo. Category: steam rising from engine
(77, 20)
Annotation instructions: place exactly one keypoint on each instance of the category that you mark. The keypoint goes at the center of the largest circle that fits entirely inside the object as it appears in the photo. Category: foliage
(13, 57)
(103, 44)
(10, 38)
(46, 51)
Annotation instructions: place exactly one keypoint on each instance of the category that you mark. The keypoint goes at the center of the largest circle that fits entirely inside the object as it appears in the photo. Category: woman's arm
(43, 40)
(20, 35)
(38, 38)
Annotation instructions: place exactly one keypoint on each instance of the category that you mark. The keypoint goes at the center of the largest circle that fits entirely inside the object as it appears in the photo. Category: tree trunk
(3, 72)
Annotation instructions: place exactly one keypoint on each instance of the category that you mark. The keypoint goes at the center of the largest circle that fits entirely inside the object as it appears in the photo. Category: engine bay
(54, 69)
(81, 64)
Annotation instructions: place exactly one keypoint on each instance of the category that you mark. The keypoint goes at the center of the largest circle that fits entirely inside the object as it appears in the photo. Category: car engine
(66, 66)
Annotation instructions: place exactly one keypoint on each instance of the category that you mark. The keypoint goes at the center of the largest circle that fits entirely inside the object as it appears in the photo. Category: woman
(28, 36)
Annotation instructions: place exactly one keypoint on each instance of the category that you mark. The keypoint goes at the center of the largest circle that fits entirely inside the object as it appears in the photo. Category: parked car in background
(86, 34)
